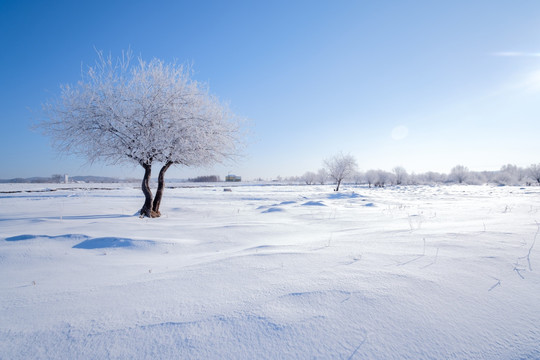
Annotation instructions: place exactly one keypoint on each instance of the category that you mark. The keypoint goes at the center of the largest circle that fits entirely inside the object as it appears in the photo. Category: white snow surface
(270, 272)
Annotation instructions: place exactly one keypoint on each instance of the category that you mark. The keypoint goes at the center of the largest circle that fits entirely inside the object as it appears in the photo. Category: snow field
(272, 272)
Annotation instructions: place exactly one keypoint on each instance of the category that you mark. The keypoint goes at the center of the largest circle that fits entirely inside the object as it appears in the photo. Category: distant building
(233, 178)
(66, 178)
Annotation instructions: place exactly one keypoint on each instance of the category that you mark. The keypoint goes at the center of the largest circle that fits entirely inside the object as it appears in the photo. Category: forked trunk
(147, 207)
(161, 187)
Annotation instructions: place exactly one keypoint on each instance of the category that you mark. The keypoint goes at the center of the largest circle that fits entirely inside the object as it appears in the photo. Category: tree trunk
(338, 183)
(147, 207)
(161, 187)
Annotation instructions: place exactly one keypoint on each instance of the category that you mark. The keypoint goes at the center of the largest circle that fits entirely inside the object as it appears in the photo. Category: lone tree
(400, 174)
(322, 175)
(382, 178)
(143, 113)
(371, 177)
(309, 177)
(340, 167)
(459, 173)
(534, 172)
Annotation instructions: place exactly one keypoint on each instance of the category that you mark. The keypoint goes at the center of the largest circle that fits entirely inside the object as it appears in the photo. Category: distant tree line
(59, 179)
(32, 180)
(53, 179)
(342, 168)
(208, 178)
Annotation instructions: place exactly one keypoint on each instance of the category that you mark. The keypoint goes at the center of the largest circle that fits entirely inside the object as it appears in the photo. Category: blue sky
(421, 84)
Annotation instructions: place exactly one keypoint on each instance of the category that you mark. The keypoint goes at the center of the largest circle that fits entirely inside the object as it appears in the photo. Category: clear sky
(421, 84)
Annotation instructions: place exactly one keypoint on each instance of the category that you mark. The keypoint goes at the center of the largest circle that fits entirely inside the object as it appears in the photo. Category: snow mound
(273, 209)
(338, 195)
(313, 203)
(109, 242)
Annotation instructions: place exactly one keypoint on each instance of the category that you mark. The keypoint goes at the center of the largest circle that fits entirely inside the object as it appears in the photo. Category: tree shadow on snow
(73, 217)
(86, 242)
(31, 237)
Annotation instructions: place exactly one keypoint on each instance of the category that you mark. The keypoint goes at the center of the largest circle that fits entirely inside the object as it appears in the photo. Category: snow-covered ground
(270, 272)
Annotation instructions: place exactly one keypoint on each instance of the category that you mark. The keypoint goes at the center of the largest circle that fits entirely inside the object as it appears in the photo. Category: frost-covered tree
(459, 173)
(309, 177)
(534, 172)
(322, 176)
(144, 113)
(400, 174)
(476, 178)
(413, 179)
(357, 177)
(383, 177)
(340, 167)
(56, 178)
(508, 175)
(431, 178)
(520, 174)
(371, 177)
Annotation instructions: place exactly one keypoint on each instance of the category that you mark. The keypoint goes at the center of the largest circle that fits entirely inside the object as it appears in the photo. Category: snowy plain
(270, 272)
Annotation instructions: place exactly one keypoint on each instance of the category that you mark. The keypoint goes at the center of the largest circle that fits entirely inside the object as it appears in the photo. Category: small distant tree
(502, 178)
(534, 172)
(383, 177)
(322, 176)
(294, 179)
(309, 177)
(340, 167)
(508, 175)
(431, 177)
(477, 178)
(142, 113)
(357, 177)
(371, 177)
(510, 169)
(206, 178)
(56, 178)
(521, 174)
(413, 179)
(459, 173)
(400, 174)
